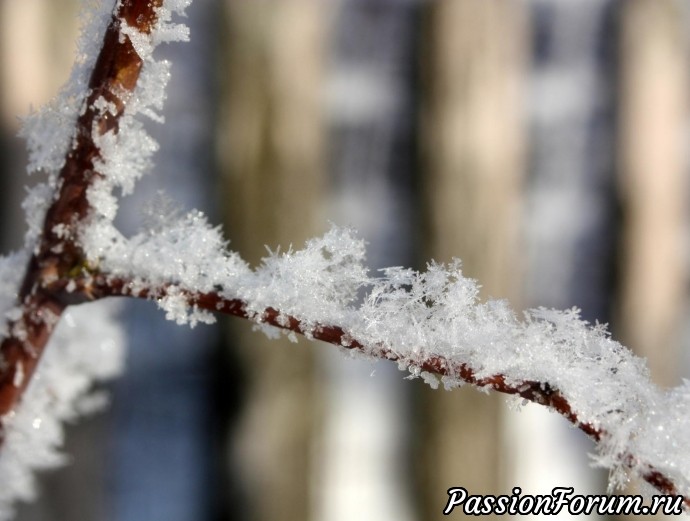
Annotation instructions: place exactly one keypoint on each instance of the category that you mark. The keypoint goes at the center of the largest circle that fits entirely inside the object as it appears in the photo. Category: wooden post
(473, 161)
(271, 154)
(654, 190)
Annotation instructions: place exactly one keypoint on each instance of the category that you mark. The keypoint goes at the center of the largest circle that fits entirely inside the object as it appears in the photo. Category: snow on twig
(431, 323)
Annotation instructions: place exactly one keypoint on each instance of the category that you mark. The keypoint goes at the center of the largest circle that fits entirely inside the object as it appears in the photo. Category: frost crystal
(416, 317)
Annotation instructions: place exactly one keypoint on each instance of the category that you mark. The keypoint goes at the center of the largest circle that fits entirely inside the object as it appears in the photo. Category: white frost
(86, 346)
(420, 315)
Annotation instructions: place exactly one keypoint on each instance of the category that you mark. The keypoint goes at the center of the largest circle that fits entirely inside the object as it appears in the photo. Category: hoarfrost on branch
(94, 148)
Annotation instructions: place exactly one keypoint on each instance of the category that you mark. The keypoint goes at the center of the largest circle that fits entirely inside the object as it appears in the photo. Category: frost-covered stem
(58, 273)
(543, 393)
(57, 255)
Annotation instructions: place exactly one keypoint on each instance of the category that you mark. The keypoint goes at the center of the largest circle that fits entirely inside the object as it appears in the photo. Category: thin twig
(542, 393)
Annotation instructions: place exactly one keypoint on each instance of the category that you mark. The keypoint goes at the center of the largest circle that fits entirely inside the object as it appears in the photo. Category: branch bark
(57, 274)
(542, 393)
(58, 256)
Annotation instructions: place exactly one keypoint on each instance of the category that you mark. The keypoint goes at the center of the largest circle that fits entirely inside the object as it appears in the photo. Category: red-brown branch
(57, 255)
(543, 393)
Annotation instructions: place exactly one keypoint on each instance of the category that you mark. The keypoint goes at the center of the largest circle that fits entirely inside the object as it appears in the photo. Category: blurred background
(543, 142)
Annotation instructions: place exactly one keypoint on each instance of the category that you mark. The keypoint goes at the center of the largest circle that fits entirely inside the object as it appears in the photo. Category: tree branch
(57, 255)
(542, 393)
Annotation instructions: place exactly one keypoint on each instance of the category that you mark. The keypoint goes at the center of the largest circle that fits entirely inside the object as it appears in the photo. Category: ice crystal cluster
(85, 348)
(403, 314)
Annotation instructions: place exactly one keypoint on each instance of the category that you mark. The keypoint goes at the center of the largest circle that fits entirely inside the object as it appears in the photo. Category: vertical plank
(653, 181)
(653, 185)
(271, 152)
(37, 47)
(473, 137)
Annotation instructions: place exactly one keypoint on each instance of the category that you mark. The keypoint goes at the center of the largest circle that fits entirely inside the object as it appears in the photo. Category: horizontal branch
(542, 393)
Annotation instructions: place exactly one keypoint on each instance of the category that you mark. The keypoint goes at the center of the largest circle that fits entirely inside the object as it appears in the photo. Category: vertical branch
(58, 255)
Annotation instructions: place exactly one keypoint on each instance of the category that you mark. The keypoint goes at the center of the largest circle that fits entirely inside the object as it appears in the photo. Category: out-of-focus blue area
(162, 449)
